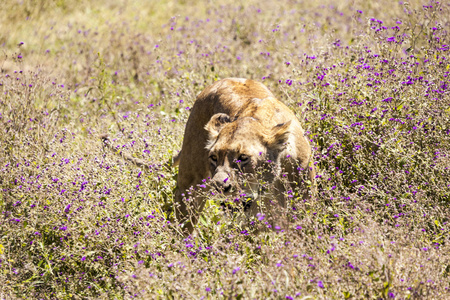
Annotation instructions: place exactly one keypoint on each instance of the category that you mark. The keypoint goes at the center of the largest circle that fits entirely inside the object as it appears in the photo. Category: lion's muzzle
(222, 181)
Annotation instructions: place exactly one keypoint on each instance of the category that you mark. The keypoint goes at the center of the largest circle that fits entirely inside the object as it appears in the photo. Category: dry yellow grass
(368, 80)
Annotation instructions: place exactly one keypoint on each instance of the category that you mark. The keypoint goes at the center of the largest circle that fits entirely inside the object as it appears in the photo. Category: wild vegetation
(369, 81)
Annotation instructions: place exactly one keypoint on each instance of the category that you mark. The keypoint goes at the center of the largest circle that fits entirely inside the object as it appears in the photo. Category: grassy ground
(369, 82)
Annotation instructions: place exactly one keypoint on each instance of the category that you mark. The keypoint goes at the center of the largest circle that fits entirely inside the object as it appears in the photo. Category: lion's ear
(215, 124)
(279, 136)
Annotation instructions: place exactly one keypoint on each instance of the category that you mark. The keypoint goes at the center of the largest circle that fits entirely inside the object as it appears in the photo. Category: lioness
(237, 127)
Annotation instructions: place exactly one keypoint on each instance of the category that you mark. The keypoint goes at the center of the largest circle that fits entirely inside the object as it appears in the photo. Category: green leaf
(347, 295)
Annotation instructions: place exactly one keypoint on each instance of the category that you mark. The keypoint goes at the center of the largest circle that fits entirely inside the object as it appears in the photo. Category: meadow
(369, 81)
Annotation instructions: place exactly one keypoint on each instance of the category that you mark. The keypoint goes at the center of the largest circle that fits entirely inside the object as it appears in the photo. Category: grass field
(369, 81)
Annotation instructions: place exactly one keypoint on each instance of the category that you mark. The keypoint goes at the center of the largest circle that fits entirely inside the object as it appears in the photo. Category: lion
(237, 128)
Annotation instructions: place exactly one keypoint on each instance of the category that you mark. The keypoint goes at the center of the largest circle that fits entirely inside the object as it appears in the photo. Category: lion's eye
(243, 158)
(213, 158)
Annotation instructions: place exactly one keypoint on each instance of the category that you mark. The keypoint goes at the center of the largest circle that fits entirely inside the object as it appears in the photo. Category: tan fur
(230, 118)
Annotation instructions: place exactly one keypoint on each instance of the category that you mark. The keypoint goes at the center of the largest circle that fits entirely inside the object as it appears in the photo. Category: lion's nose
(226, 186)
(222, 182)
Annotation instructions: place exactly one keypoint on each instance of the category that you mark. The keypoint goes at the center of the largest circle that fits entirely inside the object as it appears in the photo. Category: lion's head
(243, 146)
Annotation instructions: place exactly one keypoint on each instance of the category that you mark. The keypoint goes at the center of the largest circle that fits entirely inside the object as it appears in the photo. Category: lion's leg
(189, 201)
